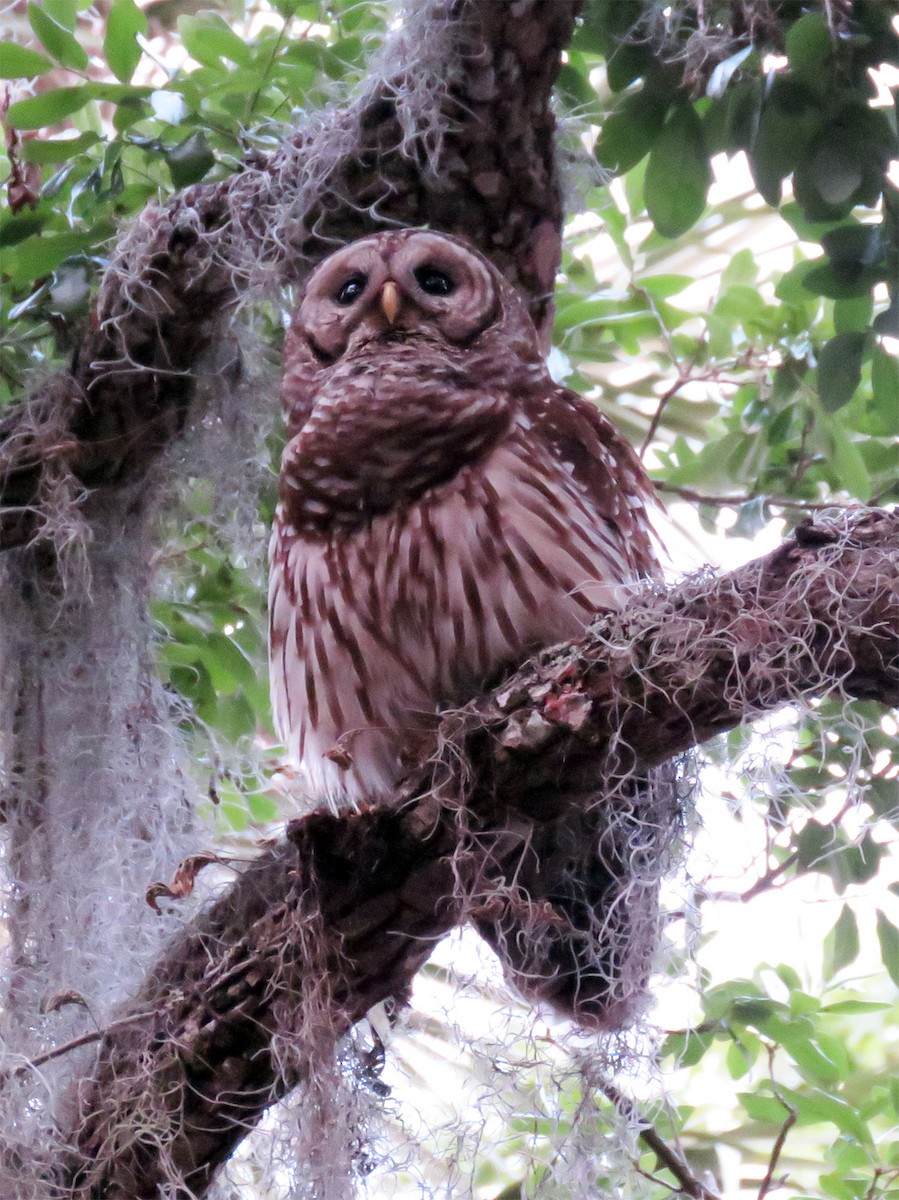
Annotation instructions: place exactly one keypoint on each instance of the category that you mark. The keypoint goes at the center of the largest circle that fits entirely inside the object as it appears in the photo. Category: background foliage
(729, 295)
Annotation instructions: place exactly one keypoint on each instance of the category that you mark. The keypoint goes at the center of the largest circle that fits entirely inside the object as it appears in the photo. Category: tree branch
(666, 1155)
(344, 911)
(479, 71)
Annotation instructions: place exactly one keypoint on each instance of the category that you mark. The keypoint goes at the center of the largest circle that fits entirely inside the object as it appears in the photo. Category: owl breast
(377, 623)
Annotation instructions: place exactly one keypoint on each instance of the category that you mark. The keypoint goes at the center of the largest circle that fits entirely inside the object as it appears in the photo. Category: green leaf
(52, 150)
(827, 178)
(572, 86)
(883, 794)
(678, 174)
(854, 1007)
(226, 662)
(64, 12)
(742, 269)
(190, 161)
(791, 285)
(806, 230)
(853, 477)
(56, 39)
(49, 108)
(861, 860)
(236, 815)
(854, 245)
(120, 45)
(812, 1061)
(118, 93)
(814, 843)
(688, 1048)
(739, 305)
(846, 283)
(844, 163)
(38, 256)
(660, 287)
(766, 1109)
(888, 936)
(853, 315)
(743, 108)
(208, 38)
(841, 945)
(885, 392)
(626, 63)
(790, 117)
(740, 1056)
(630, 130)
(809, 48)
(815, 1105)
(18, 62)
(840, 369)
(179, 653)
(234, 717)
(263, 809)
(16, 227)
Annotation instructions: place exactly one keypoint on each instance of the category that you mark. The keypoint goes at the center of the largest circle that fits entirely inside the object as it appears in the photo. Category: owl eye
(434, 282)
(350, 291)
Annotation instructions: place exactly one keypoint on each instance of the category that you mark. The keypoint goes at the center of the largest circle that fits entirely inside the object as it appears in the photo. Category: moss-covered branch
(344, 911)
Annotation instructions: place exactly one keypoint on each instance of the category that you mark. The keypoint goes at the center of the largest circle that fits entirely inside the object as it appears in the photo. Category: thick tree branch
(343, 912)
(478, 71)
(819, 613)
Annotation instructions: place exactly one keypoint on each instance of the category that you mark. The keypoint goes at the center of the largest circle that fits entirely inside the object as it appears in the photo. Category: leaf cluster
(106, 142)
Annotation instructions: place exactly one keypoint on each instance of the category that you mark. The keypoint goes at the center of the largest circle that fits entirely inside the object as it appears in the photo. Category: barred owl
(445, 509)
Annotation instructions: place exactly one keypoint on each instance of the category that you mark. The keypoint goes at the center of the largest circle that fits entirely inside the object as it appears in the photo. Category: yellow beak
(390, 301)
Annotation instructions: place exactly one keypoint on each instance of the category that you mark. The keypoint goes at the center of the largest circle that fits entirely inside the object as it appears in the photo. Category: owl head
(429, 292)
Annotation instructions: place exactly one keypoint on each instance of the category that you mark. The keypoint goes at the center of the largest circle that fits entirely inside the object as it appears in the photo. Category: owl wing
(580, 927)
(606, 470)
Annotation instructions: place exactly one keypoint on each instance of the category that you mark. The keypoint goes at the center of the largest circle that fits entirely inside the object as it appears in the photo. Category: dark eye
(434, 282)
(350, 291)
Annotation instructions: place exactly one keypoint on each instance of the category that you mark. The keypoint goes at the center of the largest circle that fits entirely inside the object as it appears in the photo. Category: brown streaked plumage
(445, 508)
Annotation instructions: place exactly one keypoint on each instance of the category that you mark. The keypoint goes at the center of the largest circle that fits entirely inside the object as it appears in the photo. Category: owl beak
(390, 301)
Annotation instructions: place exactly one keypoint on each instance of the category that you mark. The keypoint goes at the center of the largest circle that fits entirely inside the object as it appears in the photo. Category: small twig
(665, 1154)
(737, 499)
(763, 884)
(792, 1116)
(664, 399)
(889, 1174)
(683, 374)
(703, 1027)
(686, 374)
(768, 1182)
(767, 881)
(84, 1039)
(657, 1179)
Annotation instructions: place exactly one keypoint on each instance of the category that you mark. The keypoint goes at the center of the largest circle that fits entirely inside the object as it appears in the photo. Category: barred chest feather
(373, 628)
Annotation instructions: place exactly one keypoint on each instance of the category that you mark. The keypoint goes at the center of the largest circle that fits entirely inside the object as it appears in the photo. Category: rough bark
(345, 910)
(474, 157)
